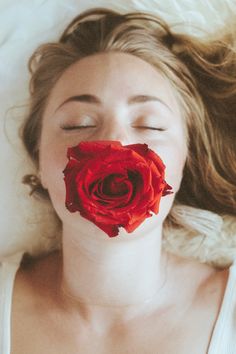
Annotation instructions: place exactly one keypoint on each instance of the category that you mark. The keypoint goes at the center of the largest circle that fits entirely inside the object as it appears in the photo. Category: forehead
(112, 75)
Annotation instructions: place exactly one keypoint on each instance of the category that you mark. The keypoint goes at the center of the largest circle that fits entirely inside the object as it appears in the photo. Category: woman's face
(111, 96)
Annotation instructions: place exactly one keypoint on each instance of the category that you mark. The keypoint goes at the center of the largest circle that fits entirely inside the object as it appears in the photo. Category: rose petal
(113, 185)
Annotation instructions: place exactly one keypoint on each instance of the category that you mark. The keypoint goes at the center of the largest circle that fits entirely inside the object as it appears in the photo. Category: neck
(114, 273)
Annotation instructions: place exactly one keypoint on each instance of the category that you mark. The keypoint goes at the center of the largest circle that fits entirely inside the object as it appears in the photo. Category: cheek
(52, 162)
(174, 171)
(173, 153)
(174, 159)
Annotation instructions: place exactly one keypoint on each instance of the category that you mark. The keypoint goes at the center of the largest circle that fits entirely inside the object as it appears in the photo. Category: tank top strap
(224, 335)
(8, 269)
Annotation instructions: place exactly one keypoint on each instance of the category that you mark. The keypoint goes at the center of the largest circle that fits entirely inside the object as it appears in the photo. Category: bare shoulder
(213, 286)
(207, 282)
(34, 296)
(211, 279)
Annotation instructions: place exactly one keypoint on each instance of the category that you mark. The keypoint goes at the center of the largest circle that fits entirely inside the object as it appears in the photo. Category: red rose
(113, 185)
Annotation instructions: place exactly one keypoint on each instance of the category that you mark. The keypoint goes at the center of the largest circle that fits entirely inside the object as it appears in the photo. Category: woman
(128, 78)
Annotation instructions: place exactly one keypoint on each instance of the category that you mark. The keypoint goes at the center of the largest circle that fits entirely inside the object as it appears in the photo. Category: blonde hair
(202, 73)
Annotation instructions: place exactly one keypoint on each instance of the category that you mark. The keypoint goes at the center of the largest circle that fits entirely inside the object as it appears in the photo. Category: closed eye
(74, 127)
(151, 128)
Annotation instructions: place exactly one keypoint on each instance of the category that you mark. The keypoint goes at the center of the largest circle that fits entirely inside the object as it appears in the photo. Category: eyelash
(75, 127)
(150, 128)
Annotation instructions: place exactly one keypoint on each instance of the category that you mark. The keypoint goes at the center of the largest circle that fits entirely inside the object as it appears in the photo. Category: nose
(116, 130)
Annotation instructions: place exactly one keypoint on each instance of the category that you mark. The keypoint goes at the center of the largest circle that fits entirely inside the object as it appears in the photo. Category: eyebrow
(87, 98)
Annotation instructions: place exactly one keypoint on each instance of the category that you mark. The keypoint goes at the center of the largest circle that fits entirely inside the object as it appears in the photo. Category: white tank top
(224, 335)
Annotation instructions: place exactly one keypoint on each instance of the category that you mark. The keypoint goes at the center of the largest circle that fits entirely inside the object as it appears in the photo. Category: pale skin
(122, 294)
